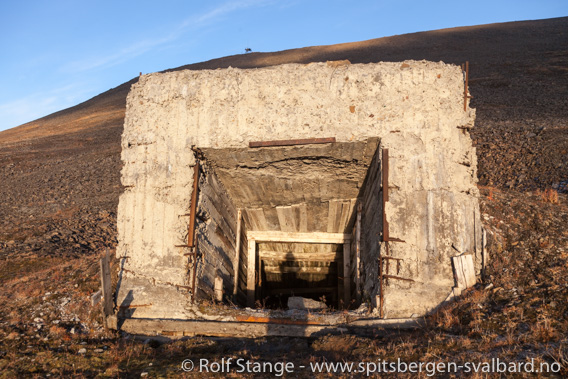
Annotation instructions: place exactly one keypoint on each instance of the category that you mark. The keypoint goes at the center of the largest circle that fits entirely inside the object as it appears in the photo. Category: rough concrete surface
(415, 108)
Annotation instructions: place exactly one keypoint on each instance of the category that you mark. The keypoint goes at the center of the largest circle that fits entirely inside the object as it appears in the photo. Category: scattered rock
(297, 302)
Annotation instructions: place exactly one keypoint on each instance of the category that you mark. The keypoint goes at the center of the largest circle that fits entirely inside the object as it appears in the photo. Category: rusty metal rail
(292, 142)
(466, 95)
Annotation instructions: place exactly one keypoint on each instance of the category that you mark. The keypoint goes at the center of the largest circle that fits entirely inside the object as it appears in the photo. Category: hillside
(61, 182)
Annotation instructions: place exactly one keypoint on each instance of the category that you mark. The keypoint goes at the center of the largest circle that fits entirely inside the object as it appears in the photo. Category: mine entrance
(298, 214)
(298, 269)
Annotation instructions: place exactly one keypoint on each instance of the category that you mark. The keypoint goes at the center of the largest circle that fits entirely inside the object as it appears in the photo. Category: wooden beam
(316, 237)
(251, 269)
(346, 273)
(298, 270)
(106, 287)
(287, 256)
(291, 142)
(251, 329)
(286, 219)
(236, 261)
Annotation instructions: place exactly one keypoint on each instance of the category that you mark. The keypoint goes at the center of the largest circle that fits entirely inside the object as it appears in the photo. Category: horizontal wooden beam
(316, 237)
(289, 256)
(291, 142)
(298, 270)
(248, 328)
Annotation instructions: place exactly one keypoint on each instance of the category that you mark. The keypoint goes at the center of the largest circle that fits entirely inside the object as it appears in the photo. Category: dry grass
(548, 195)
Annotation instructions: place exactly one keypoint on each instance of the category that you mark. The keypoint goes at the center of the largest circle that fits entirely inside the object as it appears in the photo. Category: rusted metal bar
(194, 268)
(386, 257)
(392, 239)
(291, 142)
(465, 90)
(191, 229)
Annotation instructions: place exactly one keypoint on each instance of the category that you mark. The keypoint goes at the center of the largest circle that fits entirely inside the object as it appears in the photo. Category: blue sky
(58, 53)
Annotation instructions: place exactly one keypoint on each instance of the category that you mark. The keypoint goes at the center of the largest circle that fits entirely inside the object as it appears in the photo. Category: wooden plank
(257, 219)
(218, 288)
(291, 142)
(346, 209)
(299, 270)
(287, 256)
(316, 237)
(237, 254)
(332, 216)
(96, 297)
(286, 219)
(464, 271)
(106, 287)
(346, 273)
(303, 217)
(251, 268)
(237, 329)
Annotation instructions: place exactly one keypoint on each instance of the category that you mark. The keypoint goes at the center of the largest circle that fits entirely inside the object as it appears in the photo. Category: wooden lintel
(291, 142)
(299, 270)
(316, 237)
(289, 256)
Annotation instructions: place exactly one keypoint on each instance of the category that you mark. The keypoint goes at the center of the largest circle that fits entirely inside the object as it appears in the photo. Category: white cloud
(34, 106)
(194, 22)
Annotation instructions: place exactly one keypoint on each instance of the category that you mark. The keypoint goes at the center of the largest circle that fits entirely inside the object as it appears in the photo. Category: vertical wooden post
(236, 261)
(218, 288)
(106, 287)
(346, 273)
(251, 268)
(358, 253)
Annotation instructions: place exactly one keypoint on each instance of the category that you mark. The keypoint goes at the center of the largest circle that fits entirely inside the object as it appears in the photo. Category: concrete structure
(307, 219)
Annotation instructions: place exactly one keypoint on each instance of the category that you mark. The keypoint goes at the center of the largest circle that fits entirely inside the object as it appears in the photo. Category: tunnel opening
(288, 220)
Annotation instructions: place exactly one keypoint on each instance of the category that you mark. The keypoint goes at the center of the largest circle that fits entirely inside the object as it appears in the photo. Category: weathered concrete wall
(413, 107)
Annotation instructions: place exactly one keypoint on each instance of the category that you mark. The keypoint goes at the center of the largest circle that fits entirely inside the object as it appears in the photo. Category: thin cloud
(34, 106)
(196, 21)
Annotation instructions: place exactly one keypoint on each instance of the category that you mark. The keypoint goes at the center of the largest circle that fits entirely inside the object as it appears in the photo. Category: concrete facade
(414, 109)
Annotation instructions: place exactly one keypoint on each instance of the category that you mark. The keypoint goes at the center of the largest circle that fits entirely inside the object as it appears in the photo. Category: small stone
(297, 302)
(98, 351)
(143, 375)
(82, 351)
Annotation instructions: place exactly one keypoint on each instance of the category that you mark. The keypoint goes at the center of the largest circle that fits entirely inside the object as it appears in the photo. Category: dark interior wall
(371, 227)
